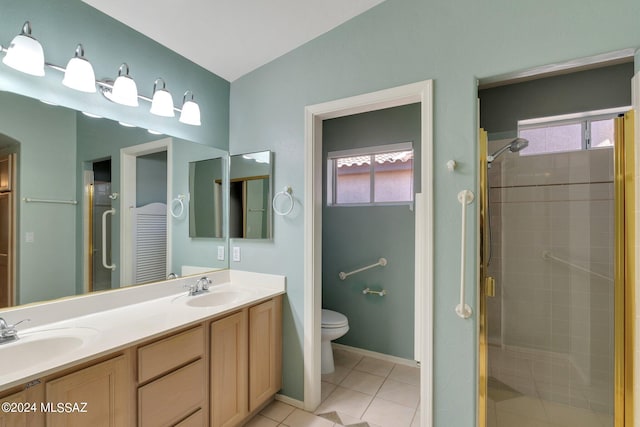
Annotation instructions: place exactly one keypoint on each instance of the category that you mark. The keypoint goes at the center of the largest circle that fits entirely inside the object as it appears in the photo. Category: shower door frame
(624, 262)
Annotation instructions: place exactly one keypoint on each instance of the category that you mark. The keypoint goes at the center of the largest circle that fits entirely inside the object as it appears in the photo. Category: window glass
(393, 177)
(370, 177)
(553, 139)
(353, 180)
(602, 133)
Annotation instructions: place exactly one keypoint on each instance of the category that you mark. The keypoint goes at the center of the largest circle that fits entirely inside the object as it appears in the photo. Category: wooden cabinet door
(17, 416)
(228, 370)
(265, 351)
(106, 390)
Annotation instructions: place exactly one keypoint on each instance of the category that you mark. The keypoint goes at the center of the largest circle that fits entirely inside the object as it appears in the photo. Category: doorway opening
(314, 165)
(552, 306)
(145, 238)
(100, 201)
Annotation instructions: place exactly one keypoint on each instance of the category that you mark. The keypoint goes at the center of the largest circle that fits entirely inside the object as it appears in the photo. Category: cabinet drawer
(165, 355)
(194, 420)
(169, 399)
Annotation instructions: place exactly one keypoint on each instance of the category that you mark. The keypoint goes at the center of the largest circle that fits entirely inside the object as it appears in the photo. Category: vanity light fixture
(124, 90)
(190, 114)
(79, 74)
(162, 102)
(25, 53)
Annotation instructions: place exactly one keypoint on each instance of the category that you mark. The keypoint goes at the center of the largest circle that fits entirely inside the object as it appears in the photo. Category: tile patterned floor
(362, 392)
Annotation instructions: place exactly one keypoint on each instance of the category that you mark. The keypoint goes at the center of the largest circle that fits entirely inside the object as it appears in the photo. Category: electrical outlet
(236, 253)
(220, 253)
(29, 237)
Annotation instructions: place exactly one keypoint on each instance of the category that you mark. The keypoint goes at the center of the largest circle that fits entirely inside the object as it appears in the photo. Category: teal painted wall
(46, 170)
(501, 107)
(151, 179)
(400, 42)
(60, 25)
(357, 236)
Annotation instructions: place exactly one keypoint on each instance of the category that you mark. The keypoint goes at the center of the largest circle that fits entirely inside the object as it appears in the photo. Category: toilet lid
(333, 319)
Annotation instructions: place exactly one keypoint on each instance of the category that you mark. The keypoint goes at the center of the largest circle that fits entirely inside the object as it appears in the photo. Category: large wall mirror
(250, 182)
(84, 191)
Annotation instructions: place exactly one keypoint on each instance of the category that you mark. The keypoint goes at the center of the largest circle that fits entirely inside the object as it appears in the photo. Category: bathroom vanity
(169, 360)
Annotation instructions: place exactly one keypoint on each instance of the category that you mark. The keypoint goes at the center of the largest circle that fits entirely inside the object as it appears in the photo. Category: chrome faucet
(202, 285)
(9, 333)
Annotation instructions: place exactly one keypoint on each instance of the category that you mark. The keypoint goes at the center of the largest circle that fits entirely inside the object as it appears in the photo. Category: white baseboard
(290, 401)
(375, 355)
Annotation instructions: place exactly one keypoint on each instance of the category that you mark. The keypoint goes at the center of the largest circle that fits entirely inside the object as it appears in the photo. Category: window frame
(331, 182)
(583, 118)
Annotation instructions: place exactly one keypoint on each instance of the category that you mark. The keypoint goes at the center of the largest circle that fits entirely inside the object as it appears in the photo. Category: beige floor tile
(325, 390)
(406, 374)
(401, 393)
(347, 419)
(346, 401)
(374, 366)
(260, 421)
(523, 405)
(277, 411)
(569, 416)
(362, 382)
(388, 414)
(346, 359)
(300, 418)
(336, 376)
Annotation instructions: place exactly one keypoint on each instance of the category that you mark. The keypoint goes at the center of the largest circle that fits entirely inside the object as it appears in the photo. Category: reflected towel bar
(381, 262)
(62, 202)
(548, 255)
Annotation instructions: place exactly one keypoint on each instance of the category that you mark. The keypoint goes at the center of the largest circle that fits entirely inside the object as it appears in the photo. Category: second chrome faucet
(202, 285)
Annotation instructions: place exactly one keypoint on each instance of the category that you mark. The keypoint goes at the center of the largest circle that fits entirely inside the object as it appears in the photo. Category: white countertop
(110, 321)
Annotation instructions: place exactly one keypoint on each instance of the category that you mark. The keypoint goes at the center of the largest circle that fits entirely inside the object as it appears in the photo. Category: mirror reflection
(85, 204)
(206, 198)
(250, 195)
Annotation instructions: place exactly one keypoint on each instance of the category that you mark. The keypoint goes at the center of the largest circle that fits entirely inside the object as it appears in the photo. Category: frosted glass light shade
(79, 74)
(162, 102)
(190, 114)
(125, 90)
(25, 53)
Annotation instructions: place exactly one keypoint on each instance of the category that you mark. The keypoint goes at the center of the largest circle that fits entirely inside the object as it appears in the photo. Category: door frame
(421, 92)
(128, 196)
(626, 235)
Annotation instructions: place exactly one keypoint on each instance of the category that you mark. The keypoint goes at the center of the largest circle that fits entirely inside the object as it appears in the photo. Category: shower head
(514, 146)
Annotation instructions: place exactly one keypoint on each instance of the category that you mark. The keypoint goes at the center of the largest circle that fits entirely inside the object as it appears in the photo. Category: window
(582, 131)
(370, 176)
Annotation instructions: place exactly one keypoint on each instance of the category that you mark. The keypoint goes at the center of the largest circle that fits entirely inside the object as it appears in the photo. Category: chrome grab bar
(465, 197)
(381, 262)
(547, 255)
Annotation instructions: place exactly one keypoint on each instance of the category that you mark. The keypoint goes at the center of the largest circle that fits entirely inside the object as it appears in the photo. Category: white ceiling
(232, 37)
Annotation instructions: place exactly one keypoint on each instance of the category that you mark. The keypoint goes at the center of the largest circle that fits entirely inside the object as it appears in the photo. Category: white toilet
(334, 325)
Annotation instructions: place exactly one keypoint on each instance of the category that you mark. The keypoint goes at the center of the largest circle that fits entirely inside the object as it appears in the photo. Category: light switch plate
(236, 253)
(220, 253)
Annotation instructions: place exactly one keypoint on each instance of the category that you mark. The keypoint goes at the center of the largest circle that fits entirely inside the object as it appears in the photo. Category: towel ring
(177, 204)
(285, 192)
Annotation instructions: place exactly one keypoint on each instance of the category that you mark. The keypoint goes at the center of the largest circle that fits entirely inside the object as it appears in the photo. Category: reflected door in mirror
(249, 208)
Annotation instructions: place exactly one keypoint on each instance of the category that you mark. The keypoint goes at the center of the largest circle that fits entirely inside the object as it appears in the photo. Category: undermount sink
(216, 298)
(34, 348)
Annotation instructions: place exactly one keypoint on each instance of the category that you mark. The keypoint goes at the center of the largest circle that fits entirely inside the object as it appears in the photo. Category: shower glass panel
(551, 323)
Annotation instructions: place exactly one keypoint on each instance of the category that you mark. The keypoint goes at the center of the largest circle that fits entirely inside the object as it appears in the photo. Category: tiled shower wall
(559, 319)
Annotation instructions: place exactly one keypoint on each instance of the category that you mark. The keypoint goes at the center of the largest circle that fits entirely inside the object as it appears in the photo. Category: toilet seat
(333, 319)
